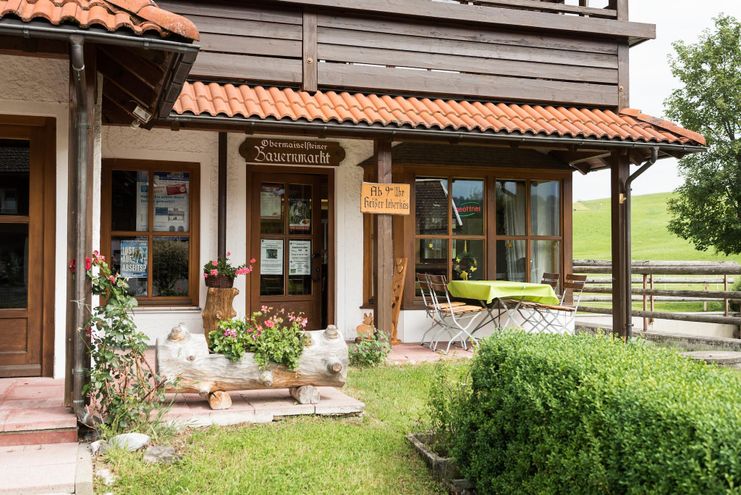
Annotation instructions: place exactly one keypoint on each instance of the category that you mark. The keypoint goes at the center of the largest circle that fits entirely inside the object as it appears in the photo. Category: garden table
(487, 292)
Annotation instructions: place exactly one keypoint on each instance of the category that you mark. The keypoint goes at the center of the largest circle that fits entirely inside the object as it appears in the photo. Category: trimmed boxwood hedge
(584, 414)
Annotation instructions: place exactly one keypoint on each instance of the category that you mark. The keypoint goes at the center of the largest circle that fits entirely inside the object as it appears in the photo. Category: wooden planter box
(184, 361)
(443, 469)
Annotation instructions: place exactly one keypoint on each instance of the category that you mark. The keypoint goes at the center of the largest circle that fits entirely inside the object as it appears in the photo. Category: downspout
(629, 242)
(81, 129)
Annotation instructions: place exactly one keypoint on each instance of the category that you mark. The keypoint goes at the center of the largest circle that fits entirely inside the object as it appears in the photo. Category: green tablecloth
(488, 290)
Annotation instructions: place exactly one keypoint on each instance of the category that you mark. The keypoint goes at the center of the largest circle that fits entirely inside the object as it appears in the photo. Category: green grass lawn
(651, 239)
(302, 455)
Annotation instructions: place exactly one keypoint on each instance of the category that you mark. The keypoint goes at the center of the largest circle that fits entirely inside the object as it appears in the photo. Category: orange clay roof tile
(246, 101)
(138, 16)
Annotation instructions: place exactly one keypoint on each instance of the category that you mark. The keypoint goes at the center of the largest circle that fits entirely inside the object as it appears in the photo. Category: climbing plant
(123, 389)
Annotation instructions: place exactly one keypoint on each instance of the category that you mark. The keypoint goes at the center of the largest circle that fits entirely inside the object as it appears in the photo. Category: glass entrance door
(20, 255)
(289, 242)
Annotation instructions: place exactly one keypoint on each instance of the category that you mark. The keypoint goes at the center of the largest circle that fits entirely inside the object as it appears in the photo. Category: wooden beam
(310, 52)
(511, 18)
(621, 305)
(384, 244)
(221, 216)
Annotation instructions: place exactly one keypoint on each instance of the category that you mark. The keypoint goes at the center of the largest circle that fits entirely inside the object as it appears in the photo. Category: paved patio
(416, 353)
(56, 468)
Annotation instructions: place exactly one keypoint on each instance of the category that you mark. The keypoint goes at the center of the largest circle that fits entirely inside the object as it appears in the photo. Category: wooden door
(288, 242)
(22, 154)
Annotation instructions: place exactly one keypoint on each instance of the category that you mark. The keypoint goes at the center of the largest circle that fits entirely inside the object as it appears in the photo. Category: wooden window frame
(194, 268)
(451, 236)
(404, 230)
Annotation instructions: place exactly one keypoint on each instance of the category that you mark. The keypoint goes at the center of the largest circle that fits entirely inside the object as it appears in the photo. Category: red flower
(253, 260)
(72, 265)
(88, 263)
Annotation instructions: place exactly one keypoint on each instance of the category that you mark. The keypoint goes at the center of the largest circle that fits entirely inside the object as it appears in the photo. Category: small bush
(371, 352)
(449, 391)
(558, 414)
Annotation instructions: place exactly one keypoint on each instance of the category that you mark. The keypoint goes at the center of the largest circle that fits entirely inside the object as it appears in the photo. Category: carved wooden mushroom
(183, 360)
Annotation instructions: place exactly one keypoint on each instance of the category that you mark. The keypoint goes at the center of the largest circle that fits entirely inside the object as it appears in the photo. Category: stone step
(38, 437)
(32, 412)
(722, 358)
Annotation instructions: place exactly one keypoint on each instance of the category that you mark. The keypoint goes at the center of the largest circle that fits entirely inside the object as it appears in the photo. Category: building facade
(168, 134)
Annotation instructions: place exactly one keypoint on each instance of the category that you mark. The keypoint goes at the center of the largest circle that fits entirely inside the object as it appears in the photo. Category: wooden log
(219, 400)
(218, 307)
(184, 362)
(305, 395)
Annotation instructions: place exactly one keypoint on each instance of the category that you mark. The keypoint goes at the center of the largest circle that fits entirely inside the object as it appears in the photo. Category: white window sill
(166, 309)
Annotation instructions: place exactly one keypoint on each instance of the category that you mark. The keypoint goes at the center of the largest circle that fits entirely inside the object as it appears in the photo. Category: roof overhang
(582, 154)
(161, 66)
(580, 137)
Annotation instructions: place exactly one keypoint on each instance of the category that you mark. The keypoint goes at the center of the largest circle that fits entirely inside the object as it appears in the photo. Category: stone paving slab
(35, 469)
(416, 353)
(258, 406)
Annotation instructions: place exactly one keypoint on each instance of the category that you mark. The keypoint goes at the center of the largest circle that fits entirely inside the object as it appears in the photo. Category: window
(464, 231)
(150, 228)
(528, 236)
(450, 235)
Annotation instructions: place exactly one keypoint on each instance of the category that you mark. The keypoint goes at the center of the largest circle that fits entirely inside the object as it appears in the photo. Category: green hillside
(651, 239)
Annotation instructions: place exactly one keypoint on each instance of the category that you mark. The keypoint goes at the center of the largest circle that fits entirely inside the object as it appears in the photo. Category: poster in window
(270, 203)
(134, 258)
(299, 258)
(171, 202)
(299, 216)
(142, 201)
(271, 257)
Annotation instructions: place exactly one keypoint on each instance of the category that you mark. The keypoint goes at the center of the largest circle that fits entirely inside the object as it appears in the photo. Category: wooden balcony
(571, 52)
(601, 9)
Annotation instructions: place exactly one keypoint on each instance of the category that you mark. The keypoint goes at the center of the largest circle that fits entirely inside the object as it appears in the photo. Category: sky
(651, 80)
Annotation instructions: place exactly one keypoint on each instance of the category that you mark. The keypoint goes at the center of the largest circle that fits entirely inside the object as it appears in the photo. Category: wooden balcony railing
(584, 8)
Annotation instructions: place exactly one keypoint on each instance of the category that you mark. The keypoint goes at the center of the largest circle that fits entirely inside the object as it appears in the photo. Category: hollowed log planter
(183, 360)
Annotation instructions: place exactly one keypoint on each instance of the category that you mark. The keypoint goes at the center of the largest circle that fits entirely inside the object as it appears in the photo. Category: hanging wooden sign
(269, 151)
(385, 199)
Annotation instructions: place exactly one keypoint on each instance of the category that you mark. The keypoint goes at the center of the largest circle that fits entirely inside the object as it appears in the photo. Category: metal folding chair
(559, 318)
(423, 285)
(527, 309)
(453, 318)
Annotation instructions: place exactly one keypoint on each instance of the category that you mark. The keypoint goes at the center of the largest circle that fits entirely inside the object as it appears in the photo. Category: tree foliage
(707, 209)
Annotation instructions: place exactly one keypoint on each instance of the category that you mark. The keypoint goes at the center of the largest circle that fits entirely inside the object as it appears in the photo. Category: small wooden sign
(269, 151)
(385, 199)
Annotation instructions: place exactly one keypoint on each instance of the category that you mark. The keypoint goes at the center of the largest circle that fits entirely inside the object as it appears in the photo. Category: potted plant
(274, 336)
(220, 273)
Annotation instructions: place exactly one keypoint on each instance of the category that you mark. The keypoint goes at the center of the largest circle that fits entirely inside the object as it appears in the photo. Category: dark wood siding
(264, 44)
(245, 43)
(399, 56)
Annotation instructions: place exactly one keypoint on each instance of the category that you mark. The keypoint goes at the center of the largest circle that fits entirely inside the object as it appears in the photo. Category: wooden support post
(621, 297)
(725, 300)
(652, 305)
(221, 215)
(645, 286)
(310, 80)
(384, 245)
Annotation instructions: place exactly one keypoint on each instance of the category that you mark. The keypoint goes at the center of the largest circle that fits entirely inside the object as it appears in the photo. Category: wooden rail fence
(697, 281)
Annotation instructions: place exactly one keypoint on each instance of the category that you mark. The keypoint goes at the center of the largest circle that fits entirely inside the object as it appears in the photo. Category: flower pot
(220, 282)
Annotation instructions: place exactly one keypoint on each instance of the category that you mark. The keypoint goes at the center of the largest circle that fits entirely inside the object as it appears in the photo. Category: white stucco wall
(202, 147)
(179, 146)
(24, 92)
